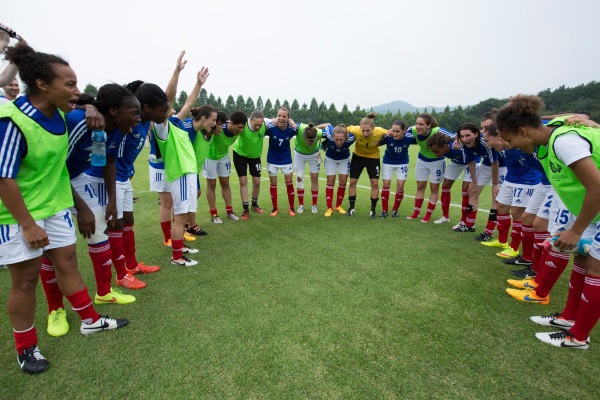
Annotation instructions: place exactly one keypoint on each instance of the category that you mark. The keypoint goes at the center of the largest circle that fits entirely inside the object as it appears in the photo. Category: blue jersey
(396, 151)
(483, 151)
(279, 152)
(460, 156)
(521, 167)
(486, 160)
(13, 146)
(80, 143)
(334, 152)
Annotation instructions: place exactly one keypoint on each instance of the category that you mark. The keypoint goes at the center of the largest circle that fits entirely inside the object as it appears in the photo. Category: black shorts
(358, 163)
(243, 164)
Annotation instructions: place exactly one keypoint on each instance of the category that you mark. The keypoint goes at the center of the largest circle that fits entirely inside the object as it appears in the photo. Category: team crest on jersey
(556, 169)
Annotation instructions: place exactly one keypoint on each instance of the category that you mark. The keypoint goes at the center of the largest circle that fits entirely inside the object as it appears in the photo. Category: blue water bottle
(98, 148)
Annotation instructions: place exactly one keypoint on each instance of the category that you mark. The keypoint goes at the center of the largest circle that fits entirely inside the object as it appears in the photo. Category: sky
(425, 52)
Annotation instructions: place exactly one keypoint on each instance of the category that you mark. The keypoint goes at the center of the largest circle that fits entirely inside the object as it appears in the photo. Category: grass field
(310, 307)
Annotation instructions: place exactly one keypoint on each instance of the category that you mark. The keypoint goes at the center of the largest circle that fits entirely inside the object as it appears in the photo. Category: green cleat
(57, 323)
(495, 243)
(115, 296)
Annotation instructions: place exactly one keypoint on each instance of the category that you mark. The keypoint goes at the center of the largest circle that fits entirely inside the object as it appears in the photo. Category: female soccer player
(34, 221)
(573, 168)
(395, 159)
(307, 145)
(337, 161)
(429, 167)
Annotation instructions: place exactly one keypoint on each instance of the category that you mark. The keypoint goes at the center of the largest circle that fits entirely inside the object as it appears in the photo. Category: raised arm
(191, 100)
(10, 72)
(171, 90)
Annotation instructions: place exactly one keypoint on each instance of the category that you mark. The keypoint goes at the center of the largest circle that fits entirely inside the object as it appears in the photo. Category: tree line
(584, 98)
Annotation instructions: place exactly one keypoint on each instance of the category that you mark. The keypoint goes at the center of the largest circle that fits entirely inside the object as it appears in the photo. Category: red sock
(177, 246)
(25, 339)
(589, 308)
(398, 200)
(385, 196)
(553, 267)
(341, 192)
(82, 305)
(576, 283)
(273, 190)
(315, 196)
(503, 227)
(491, 225)
(129, 246)
(300, 197)
(528, 238)
(465, 205)
(115, 238)
(101, 261)
(446, 198)
(228, 209)
(166, 228)
(329, 196)
(290, 192)
(214, 211)
(538, 259)
(515, 236)
(430, 208)
(53, 294)
(417, 209)
(470, 217)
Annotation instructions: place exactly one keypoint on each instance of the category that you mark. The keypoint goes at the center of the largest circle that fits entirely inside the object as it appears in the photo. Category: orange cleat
(144, 269)
(131, 282)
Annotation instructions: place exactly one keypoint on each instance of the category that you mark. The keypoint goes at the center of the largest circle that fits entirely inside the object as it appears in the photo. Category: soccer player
(429, 167)
(395, 159)
(307, 145)
(279, 157)
(337, 162)
(365, 155)
(10, 92)
(573, 168)
(217, 164)
(33, 221)
(247, 151)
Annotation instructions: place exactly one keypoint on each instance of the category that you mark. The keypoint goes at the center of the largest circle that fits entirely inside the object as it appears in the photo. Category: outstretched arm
(10, 72)
(191, 100)
(171, 90)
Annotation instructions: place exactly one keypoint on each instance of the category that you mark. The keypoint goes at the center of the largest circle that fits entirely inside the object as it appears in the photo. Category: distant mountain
(403, 106)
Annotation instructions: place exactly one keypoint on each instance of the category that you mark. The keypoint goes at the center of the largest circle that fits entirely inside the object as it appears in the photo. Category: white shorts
(158, 182)
(515, 195)
(60, 229)
(216, 168)
(484, 175)
(183, 190)
(272, 169)
(539, 202)
(388, 170)
(333, 167)
(85, 189)
(432, 170)
(562, 219)
(124, 195)
(455, 170)
(313, 161)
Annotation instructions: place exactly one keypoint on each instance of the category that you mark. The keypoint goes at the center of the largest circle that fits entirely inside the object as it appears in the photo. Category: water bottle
(98, 148)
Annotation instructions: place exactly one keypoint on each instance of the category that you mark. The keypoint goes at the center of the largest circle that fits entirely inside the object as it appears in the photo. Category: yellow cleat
(527, 283)
(495, 243)
(340, 210)
(57, 323)
(507, 253)
(115, 296)
(528, 296)
(328, 212)
(188, 238)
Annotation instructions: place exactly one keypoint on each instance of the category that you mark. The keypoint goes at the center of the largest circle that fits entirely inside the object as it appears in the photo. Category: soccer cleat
(104, 323)
(245, 215)
(57, 323)
(507, 253)
(274, 212)
(189, 250)
(232, 216)
(314, 210)
(340, 210)
(413, 216)
(495, 243)
(483, 237)
(184, 262)
(196, 231)
(554, 321)
(216, 219)
(517, 261)
(526, 272)
(383, 214)
(32, 361)
(167, 243)
(300, 209)
(351, 212)
(395, 214)
(528, 296)
(562, 339)
(464, 228)
(457, 225)
(115, 296)
(442, 220)
(130, 282)
(527, 283)
(144, 269)
(257, 209)
(328, 212)
(292, 212)
(187, 237)
(372, 214)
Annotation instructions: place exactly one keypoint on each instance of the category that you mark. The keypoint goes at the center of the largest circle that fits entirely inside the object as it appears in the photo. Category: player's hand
(35, 237)
(567, 240)
(495, 190)
(93, 118)
(457, 145)
(581, 120)
(473, 188)
(111, 214)
(180, 62)
(203, 75)
(86, 222)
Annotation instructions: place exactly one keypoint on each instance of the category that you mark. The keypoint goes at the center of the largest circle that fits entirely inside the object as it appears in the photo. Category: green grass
(310, 307)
